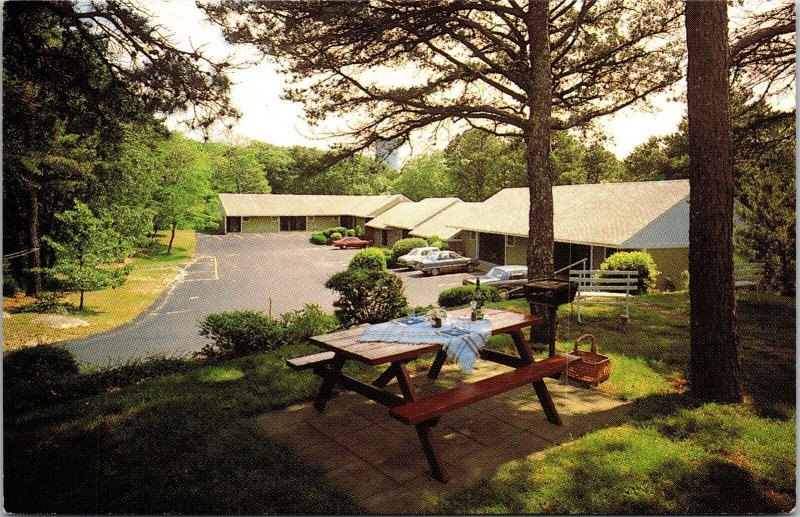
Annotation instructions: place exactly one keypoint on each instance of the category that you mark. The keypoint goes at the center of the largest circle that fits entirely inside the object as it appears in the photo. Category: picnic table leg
(386, 377)
(547, 402)
(522, 346)
(431, 451)
(405, 382)
(438, 362)
(328, 383)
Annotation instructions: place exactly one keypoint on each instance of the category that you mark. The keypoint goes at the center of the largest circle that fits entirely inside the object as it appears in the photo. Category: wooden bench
(613, 284)
(310, 361)
(749, 275)
(424, 413)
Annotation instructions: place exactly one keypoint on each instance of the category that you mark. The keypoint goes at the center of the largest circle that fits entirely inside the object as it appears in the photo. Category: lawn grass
(675, 455)
(186, 443)
(182, 443)
(153, 270)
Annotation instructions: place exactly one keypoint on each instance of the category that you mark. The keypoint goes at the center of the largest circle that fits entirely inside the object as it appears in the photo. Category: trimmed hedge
(38, 362)
(335, 236)
(462, 295)
(368, 258)
(319, 238)
(367, 296)
(634, 261)
(340, 229)
(351, 233)
(359, 230)
(240, 333)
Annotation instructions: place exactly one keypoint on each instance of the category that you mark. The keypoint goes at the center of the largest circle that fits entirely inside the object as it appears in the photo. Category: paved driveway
(237, 272)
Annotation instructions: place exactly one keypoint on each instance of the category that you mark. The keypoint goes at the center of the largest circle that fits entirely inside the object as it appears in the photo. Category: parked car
(415, 256)
(445, 262)
(351, 242)
(507, 279)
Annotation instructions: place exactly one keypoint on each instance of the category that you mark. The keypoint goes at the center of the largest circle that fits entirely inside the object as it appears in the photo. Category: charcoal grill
(550, 293)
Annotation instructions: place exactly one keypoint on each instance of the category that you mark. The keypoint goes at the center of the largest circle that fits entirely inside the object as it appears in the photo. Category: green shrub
(442, 245)
(308, 321)
(367, 296)
(327, 232)
(634, 261)
(335, 236)
(390, 261)
(240, 333)
(319, 238)
(404, 246)
(368, 258)
(351, 233)
(341, 230)
(432, 239)
(359, 229)
(685, 280)
(462, 295)
(39, 361)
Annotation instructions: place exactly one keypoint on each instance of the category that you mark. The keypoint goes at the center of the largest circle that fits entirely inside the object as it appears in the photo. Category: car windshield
(495, 273)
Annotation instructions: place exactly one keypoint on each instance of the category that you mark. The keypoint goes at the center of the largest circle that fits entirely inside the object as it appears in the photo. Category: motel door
(293, 224)
(492, 248)
(233, 224)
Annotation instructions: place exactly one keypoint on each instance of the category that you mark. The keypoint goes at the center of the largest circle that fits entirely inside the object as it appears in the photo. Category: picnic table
(424, 412)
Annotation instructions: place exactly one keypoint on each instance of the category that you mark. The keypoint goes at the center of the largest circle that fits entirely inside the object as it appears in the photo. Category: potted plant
(437, 315)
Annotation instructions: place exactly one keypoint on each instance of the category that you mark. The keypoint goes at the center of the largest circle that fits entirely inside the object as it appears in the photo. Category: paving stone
(359, 479)
(340, 424)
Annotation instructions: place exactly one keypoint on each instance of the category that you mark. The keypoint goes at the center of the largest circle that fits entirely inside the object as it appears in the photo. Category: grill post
(549, 293)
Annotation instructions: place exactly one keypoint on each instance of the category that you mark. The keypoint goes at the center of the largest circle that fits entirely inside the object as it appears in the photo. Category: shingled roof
(273, 205)
(445, 223)
(408, 216)
(647, 214)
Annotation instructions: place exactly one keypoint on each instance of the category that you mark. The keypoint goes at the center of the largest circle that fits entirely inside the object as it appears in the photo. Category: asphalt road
(280, 272)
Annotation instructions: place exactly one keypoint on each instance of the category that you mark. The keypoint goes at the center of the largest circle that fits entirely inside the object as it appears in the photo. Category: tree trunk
(34, 287)
(171, 238)
(537, 154)
(80, 306)
(715, 372)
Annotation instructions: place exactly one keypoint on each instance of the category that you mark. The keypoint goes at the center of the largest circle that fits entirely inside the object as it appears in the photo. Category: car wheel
(470, 268)
(435, 271)
(503, 294)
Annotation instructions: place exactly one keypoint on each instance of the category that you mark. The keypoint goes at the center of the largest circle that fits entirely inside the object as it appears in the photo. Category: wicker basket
(593, 367)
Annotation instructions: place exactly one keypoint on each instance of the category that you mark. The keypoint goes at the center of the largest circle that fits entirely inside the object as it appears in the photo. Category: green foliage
(480, 165)
(684, 280)
(306, 322)
(404, 246)
(425, 176)
(368, 258)
(10, 286)
(463, 294)
(87, 255)
(359, 230)
(46, 304)
(327, 232)
(240, 333)
(236, 169)
(367, 296)
(319, 238)
(634, 261)
(38, 362)
(351, 233)
(391, 262)
(341, 230)
(433, 238)
(335, 236)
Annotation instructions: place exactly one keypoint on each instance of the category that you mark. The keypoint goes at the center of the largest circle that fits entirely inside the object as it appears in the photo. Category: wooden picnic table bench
(424, 412)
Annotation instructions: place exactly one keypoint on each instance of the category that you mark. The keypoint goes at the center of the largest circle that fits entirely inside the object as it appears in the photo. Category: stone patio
(379, 461)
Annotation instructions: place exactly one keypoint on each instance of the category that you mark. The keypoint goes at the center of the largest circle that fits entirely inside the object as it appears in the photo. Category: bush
(359, 230)
(404, 246)
(240, 333)
(367, 296)
(432, 239)
(462, 295)
(327, 232)
(368, 258)
(319, 238)
(634, 261)
(684, 280)
(335, 236)
(308, 321)
(390, 261)
(442, 245)
(351, 233)
(39, 361)
(341, 230)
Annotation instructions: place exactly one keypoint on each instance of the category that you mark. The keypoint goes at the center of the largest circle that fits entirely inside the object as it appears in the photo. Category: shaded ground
(378, 461)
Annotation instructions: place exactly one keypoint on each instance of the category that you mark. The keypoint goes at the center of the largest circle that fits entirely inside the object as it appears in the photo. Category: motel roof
(445, 223)
(408, 216)
(647, 214)
(274, 205)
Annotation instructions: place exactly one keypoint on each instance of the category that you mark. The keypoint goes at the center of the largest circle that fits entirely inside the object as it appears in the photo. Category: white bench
(614, 284)
(749, 275)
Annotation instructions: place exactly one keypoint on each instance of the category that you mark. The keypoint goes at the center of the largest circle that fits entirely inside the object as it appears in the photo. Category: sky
(266, 117)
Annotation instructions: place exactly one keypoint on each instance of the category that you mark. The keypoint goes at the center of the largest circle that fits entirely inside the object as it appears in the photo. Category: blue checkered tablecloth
(461, 340)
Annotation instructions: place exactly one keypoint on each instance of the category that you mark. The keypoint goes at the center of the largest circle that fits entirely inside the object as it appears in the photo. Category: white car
(415, 256)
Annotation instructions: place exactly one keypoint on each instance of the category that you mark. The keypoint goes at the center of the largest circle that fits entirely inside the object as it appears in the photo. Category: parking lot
(278, 272)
